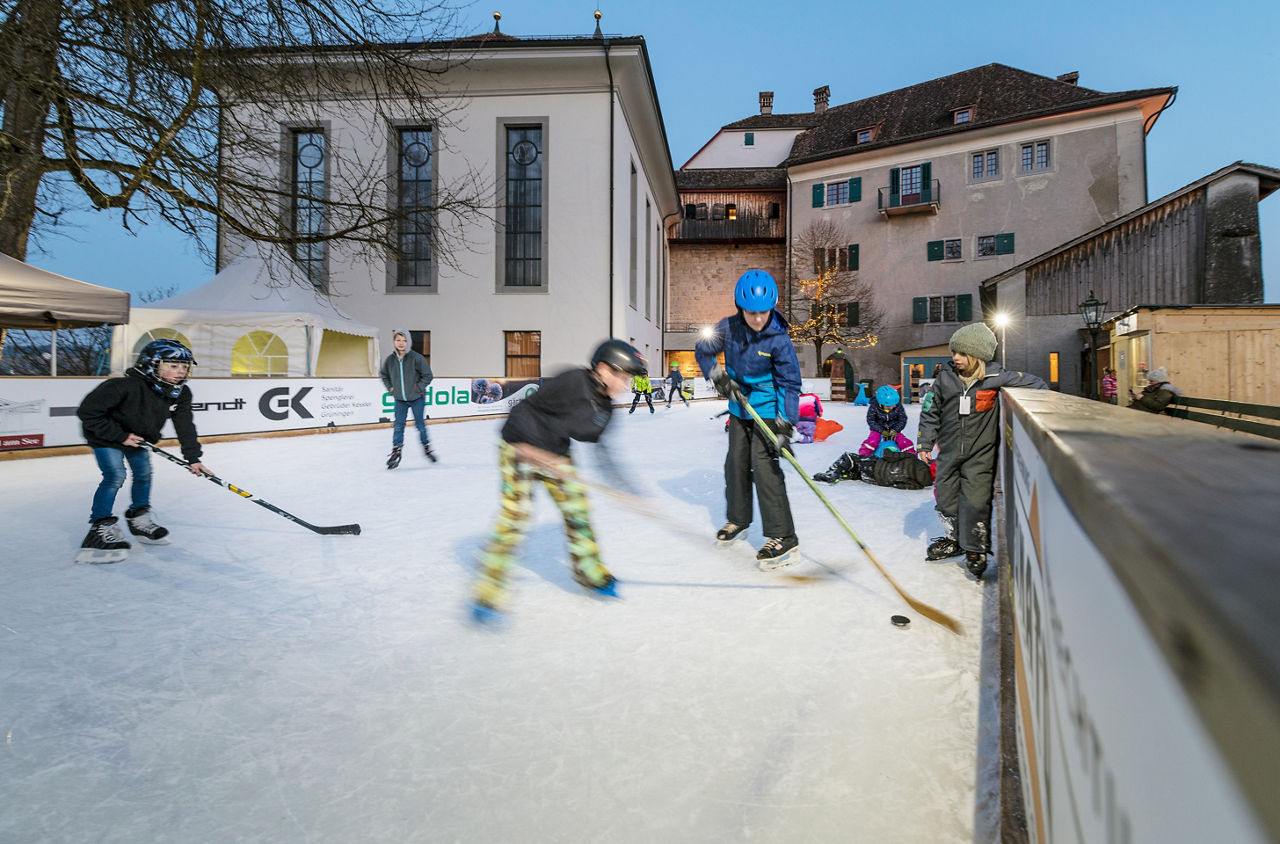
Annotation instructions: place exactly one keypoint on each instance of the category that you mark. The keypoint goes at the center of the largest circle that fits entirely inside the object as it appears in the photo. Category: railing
(926, 199)
(1228, 414)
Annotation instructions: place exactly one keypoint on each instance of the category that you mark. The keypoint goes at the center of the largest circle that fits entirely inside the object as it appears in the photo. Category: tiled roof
(777, 121)
(731, 178)
(997, 93)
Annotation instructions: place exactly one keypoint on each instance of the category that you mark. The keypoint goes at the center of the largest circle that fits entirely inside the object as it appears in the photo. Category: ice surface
(253, 681)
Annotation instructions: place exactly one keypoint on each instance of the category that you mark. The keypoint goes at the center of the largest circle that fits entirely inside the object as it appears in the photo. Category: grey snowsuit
(968, 444)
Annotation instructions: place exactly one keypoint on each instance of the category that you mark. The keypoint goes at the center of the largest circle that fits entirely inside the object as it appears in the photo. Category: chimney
(820, 98)
(766, 102)
(1070, 78)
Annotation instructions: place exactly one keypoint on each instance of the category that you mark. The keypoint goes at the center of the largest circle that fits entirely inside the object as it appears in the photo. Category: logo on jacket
(276, 404)
(763, 353)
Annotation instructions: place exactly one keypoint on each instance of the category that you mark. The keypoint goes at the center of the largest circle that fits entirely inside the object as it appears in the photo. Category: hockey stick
(934, 615)
(323, 529)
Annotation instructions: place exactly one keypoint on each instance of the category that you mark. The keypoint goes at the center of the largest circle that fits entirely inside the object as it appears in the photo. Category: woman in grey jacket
(406, 375)
(963, 420)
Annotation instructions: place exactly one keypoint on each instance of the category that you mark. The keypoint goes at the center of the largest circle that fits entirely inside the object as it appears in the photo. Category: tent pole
(53, 352)
(309, 352)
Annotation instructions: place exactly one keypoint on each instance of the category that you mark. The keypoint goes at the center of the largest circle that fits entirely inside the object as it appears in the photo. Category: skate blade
(779, 562)
(102, 556)
(164, 540)
(486, 616)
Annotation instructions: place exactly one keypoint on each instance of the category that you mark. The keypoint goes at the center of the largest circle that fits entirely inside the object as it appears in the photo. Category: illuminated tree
(830, 302)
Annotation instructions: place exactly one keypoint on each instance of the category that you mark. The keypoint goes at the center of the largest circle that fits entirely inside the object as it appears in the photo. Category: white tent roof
(34, 298)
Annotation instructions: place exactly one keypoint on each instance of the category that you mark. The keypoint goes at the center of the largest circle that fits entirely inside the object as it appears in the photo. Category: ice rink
(256, 682)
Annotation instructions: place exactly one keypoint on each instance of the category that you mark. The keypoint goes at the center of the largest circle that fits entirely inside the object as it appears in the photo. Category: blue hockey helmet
(158, 351)
(756, 291)
(886, 396)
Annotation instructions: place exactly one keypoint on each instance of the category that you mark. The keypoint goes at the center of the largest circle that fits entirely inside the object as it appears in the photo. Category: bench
(1229, 414)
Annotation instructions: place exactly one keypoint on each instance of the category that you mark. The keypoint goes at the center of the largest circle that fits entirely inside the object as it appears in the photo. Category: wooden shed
(1228, 352)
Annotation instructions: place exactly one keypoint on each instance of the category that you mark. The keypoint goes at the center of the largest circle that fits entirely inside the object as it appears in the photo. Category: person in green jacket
(641, 387)
(1157, 395)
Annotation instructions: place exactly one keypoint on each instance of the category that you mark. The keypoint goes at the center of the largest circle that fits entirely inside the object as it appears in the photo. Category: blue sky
(711, 59)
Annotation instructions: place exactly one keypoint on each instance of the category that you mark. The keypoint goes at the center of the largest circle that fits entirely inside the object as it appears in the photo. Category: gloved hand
(725, 386)
(926, 457)
(890, 436)
(784, 431)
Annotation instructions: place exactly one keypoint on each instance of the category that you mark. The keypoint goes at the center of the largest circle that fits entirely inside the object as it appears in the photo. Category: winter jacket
(570, 406)
(132, 405)
(1156, 398)
(406, 378)
(880, 419)
(810, 406)
(1109, 388)
(675, 379)
(640, 384)
(898, 469)
(764, 363)
(980, 428)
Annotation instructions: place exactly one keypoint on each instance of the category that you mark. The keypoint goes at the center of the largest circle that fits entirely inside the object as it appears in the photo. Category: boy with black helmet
(116, 417)
(575, 405)
(760, 365)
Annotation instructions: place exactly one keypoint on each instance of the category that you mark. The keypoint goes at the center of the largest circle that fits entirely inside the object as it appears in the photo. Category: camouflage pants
(513, 521)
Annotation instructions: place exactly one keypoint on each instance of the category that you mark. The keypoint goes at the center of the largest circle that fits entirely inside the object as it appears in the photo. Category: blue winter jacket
(764, 363)
(881, 420)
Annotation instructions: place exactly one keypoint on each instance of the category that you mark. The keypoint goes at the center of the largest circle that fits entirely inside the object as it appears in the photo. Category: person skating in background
(760, 365)
(641, 386)
(676, 383)
(116, 417)
(886, 418)
(406, 376)
(963, 420)
(1109, 388)
(536, 439)
(1157, 395)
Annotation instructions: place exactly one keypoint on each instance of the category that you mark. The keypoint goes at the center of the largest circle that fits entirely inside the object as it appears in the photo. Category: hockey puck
(899, 620)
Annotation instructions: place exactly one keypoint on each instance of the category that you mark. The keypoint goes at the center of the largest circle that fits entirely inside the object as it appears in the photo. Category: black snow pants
(748, 461)
(963, 491)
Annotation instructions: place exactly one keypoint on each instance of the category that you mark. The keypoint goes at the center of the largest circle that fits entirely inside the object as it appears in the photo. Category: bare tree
(830, 302)
(156, 111)
(81, 351)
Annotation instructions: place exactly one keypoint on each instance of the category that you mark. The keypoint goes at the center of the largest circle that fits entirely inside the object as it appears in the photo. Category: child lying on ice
(898, 469)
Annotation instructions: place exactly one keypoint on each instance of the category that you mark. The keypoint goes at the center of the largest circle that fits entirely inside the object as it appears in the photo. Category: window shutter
(851, 315)
(855, 189)
(964, 307)
(895, 192)
(936, 251)
(751, 139)
(926, 182)
(920, 309)
(1004, 244)
(819, 195)
(853, 256)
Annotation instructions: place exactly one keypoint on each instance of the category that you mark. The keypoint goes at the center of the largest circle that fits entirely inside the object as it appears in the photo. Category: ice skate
(431, 455)
(844, 469)
(104, 543)
(943, 547)
(145, 528)
(393, 460)
(729, 532)
(777, 552)
(976, 563)
(603, 584)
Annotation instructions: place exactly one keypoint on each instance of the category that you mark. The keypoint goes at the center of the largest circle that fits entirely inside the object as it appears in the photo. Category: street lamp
(1002, 322)
(1091, 310)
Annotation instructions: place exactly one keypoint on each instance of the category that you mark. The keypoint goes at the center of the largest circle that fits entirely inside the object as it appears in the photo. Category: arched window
(159, 334)
(260, 354)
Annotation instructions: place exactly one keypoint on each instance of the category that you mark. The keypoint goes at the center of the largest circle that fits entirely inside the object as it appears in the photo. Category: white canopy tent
(254, 319)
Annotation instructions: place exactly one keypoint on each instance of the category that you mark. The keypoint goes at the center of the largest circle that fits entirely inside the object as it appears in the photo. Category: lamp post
(1002, 322)
(1091, 310)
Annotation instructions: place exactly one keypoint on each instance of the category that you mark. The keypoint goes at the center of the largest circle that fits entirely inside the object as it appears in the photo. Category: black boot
(393, 459)
(976, 563)
(729, 531)
(844, 469)
(431, 455)
(776, 552)
(943, 547)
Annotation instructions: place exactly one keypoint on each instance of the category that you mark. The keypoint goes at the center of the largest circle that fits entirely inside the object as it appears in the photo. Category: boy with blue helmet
(886, 420)
(760, 367)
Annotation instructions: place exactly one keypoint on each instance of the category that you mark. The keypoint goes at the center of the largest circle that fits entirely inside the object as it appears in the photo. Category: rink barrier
(1139, 565)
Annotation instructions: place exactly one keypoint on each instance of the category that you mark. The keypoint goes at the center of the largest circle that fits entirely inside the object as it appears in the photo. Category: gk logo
(275, 403)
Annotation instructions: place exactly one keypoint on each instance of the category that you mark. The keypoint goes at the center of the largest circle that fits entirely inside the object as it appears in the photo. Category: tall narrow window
(634, 257)
(524, 207)
(648, 259)
(523, 354)
(308, 201)
(413, 241)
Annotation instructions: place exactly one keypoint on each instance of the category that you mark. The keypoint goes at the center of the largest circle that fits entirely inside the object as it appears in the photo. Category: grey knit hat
(1158, 376)
(976, 340)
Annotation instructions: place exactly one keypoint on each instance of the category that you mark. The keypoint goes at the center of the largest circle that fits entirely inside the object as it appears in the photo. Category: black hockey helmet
(621, 356)
(153, 354)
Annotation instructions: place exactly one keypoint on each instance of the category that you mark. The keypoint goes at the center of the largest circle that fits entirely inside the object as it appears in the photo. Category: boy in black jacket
(575, 405)
(116, 417)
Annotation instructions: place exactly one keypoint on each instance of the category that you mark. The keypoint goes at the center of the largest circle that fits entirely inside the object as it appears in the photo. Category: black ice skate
(104, 543)
(844, 469)
(145, 528)
(943, 547)
(777, 552)
(426, 449)
(393, 460)
(976, 563)
(729, 531)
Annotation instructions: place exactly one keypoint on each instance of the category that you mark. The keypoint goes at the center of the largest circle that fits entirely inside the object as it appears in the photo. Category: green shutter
(926, 182)
(936, 252)
(855, 189)
(751, 139)
(1004, 244)
(852, 316)
(895, 192)
(964, 307)
(819, 195)
(920, 309)
(853, 256)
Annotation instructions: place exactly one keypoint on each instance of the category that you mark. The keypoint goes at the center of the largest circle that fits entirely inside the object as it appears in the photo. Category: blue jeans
(402, 414)
(111, 461)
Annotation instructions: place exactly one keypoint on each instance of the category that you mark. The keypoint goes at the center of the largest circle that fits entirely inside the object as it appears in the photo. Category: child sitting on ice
(886, 418)
(810, 410)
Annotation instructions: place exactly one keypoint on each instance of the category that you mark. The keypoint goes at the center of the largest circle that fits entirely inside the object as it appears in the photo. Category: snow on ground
(254, 681)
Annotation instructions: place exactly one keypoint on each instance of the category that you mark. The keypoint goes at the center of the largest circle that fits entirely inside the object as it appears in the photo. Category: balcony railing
(923, 201)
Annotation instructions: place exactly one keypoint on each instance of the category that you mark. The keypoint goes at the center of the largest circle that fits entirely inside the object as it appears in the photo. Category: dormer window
(962, 115)
(865, 136)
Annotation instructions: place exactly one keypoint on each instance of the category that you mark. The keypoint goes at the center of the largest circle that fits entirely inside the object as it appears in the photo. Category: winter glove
(784, 431)
(725, 386)
(889, 435)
